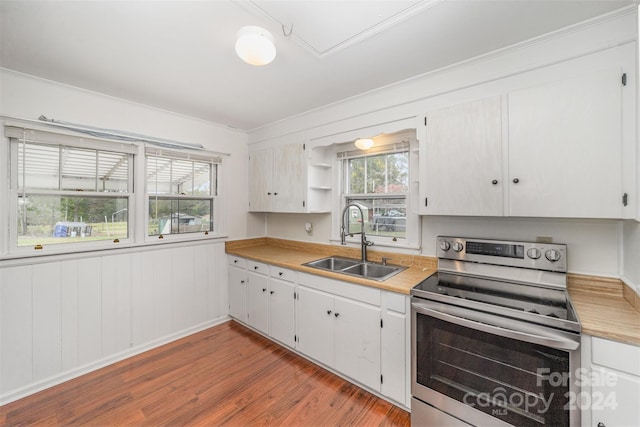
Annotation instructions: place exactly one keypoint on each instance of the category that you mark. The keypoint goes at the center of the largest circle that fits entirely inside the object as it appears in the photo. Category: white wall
(596, 247)
(66, 315)
(631, 261)
(28, 97)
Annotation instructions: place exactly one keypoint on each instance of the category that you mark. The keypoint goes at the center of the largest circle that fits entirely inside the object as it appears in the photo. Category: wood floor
(225, 375)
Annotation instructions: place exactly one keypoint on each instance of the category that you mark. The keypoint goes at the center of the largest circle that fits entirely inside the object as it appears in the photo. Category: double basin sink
(357, 268)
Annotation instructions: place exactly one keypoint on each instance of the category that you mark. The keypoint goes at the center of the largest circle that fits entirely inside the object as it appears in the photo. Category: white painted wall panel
(123, 298)
(60, 318)
(147, 303)
(108, 288)
(16, 321)
(201, 281)
(136, 298)
(218, 295)
(163, 298)
(69, 314)
(47, 320)
(183, 287)
(89, 310)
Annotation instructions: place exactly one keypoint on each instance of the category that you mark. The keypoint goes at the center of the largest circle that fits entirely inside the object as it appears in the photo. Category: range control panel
(540, 256)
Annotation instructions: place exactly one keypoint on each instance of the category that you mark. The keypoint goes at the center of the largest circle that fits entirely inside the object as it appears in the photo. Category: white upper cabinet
(554, 142)
(463, 159)
(565, 147)
(277, 179)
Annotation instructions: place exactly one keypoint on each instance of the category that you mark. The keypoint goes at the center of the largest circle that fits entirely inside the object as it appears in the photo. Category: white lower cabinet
(358, 331)
(610, 394)
(238, 289)
(315, 324)
(357, 341)
(258, 296)
(340, 333)
(395, 341)
(282, 326)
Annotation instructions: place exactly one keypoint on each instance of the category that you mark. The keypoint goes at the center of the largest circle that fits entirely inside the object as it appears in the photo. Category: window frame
(215, 163)
(15, 135)
(383, 144)
(137, 199)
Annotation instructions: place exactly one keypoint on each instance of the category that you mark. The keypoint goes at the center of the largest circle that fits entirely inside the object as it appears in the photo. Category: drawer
(282, 273)
(258, 267)
(616, 355)
(237, 261)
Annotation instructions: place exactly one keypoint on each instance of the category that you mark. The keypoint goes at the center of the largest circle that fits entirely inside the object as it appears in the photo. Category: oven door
(490, 370)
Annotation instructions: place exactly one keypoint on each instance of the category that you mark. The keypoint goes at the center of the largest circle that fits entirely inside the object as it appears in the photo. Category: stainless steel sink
(333, 263)
(354, 267)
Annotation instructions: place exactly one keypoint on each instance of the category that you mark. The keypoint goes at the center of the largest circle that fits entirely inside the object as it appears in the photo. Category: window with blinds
(377, 181)
(68, 190)
(181, 188)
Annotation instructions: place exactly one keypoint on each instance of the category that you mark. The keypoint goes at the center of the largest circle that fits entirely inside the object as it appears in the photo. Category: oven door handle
(553, 341)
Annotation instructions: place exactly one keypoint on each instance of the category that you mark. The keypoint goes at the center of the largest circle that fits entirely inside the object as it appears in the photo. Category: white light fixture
(254, 45)
(364, 143)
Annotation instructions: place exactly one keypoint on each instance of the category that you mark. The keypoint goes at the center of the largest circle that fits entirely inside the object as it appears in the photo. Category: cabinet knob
(235, 261)
(602, 425)
(337, 314)
(516, 180)
(280, 274)
(255, 267)
(272, 292)
(329, 312)
(264, 289)
(268, 194)
(241, 281)
(275, 194)
(494, 182)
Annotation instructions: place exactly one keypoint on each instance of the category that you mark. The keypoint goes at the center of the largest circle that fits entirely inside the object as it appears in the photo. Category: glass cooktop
(537, 304)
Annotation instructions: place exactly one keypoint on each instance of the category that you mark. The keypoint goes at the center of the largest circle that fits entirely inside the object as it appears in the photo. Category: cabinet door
(288, 178)
(258, 301)
(237, 293)
(393, 363)
(464, 159)
(357, 341)
(281, 312)
(260, 180)
(315, 324)
(565, 148)
(615, 398)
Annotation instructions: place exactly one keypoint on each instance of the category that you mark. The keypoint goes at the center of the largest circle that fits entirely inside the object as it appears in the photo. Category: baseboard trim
(109, 360)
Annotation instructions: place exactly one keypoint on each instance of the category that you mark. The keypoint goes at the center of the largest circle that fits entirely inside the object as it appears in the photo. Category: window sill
(399, 247)
(37, 256)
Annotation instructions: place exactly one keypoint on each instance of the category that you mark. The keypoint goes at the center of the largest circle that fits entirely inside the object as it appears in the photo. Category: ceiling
(179, 55)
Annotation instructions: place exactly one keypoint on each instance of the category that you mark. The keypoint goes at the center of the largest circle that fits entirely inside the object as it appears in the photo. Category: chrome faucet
(345, 230)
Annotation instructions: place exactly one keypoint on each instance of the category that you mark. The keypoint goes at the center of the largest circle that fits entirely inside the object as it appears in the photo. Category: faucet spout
(344, 230)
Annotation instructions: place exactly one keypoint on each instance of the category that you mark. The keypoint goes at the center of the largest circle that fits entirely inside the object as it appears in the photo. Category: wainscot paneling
(63, 318)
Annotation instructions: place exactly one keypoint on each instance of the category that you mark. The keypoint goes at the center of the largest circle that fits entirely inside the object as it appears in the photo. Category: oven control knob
(457, 246)
(444, 245)
(534, 253)
(552, 255)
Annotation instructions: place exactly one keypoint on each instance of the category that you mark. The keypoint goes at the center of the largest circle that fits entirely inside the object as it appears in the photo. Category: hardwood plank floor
(225, 375)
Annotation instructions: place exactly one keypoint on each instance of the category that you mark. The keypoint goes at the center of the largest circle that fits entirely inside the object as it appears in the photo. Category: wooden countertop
(292, 254)
(607, 308)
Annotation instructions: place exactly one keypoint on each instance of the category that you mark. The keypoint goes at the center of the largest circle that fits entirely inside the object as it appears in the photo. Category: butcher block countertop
(292, 254)
(607, 308)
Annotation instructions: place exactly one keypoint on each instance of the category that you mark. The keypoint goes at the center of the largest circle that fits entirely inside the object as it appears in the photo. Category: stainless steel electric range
(495, 337)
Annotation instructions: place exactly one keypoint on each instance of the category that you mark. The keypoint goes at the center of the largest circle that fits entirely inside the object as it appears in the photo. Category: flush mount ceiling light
(254, 45)
(364, 143)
